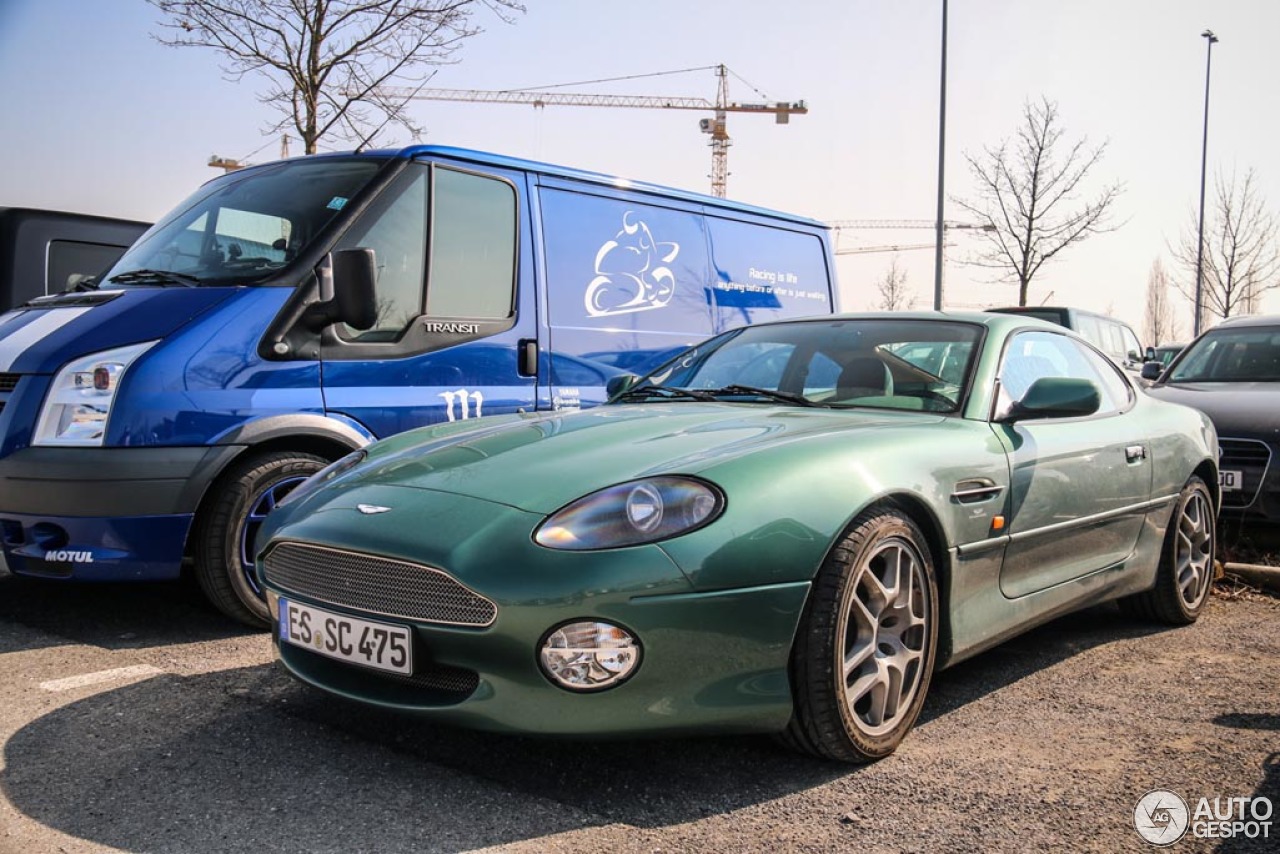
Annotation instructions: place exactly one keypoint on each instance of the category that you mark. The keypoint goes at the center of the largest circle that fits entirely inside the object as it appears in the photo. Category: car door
(1078, 485)
(455, 319)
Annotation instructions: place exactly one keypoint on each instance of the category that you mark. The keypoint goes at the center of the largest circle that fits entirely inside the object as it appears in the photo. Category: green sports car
(786, 529)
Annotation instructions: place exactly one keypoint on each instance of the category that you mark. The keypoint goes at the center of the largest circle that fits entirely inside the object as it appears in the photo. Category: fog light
(589, 656)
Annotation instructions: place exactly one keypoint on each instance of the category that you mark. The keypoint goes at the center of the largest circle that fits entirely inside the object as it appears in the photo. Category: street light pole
(1204, 155)
(942, 149)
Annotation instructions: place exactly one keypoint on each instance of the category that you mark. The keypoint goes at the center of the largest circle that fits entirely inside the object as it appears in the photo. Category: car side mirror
(1056, 397)
(1152, 370)
(1151, 355)
(619, 384)
(354, 274)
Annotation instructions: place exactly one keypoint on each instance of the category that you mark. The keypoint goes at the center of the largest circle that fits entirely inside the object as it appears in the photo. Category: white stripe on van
(22, 339)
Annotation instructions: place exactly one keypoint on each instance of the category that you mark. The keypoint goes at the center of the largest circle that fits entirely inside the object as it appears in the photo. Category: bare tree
(1028, 197)
(1160, 325)
(1241, 249)
(325, 60)
(894, 294)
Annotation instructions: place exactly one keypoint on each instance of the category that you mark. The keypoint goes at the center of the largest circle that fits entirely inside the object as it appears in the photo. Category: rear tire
(226, 529)
(1186, 562)
(864, 654)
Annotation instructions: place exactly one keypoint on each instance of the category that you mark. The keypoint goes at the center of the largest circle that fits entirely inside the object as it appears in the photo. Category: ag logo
(1161, 817)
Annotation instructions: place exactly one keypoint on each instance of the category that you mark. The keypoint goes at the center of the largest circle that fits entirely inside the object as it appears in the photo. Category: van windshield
(245, 226)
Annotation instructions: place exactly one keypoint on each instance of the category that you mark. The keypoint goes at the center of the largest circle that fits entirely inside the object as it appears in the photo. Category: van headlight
(629, 514)
(79, 402)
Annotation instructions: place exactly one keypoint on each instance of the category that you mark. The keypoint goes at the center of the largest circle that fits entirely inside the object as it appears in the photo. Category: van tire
(227, 523)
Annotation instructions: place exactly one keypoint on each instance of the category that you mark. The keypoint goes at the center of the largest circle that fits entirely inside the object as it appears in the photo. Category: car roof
(982, 318)
(1251, 320)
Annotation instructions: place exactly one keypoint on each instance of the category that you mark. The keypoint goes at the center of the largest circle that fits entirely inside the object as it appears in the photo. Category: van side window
(473, 247)
(396, 231)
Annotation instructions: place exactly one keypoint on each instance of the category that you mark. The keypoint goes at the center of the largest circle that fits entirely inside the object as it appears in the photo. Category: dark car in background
(1232, 374)
(44, 252)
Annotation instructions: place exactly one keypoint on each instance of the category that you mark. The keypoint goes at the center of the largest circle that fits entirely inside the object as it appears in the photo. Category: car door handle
(1135, 453)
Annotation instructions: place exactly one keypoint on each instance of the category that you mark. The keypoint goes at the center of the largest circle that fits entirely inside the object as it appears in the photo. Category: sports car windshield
(243, 227)
(1244, 354)
(922, 365)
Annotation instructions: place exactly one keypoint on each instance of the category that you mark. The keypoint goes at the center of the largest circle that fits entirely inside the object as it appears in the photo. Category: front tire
(1186, 562)
(226, 530)
(864, 654)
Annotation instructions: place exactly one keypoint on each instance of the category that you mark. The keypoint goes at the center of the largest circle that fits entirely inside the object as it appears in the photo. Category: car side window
(1033, 355)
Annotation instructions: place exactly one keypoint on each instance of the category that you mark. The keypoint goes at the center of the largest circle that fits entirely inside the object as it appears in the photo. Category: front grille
(8, 382)
(1245, 452)
(1249, 457)
(377, 585)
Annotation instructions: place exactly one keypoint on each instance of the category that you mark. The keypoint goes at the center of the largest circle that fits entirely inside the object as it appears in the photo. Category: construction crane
(895, 224)
(228, 165)
(715, 126)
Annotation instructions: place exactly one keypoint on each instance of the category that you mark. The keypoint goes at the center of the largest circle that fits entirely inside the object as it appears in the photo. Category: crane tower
(715, 126)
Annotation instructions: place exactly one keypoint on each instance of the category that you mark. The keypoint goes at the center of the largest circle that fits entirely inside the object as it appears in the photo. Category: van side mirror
(354, 274)
(1152, 370)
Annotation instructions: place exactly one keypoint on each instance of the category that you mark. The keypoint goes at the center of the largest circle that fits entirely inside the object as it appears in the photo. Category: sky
(99, 118)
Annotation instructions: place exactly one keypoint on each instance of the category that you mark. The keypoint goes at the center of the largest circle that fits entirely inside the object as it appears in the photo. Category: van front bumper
(102, 514)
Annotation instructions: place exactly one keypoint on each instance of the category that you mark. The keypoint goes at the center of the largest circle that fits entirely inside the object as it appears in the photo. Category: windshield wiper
(781, 396)
(163, 278)
(667, 392)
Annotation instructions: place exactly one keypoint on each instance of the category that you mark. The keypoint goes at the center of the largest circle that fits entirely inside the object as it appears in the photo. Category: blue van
(288, 314)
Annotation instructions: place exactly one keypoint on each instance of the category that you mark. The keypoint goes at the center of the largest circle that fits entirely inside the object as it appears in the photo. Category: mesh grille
(8, 382)
(376, 585)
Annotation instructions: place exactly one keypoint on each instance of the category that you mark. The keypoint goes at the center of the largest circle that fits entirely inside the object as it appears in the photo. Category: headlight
(324, 476)
(642, 511)
(79, 402)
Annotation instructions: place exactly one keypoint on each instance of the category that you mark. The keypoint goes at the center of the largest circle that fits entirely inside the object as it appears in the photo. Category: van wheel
(1186, 563)
(864, 653)
(226, 530)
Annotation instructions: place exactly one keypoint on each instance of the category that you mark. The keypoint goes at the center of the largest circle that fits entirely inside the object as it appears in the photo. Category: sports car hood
(540, 463)
(1236, 409)
(40, 338)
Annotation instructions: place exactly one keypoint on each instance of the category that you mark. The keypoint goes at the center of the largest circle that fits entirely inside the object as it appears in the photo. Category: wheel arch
(919, 512)
(303, 433)
(1208, 472)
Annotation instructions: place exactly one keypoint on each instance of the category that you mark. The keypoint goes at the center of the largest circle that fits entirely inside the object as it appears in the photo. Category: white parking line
(117, 674)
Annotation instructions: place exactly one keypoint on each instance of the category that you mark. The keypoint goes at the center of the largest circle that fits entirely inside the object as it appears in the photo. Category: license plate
(381, 646)
(1230, 481)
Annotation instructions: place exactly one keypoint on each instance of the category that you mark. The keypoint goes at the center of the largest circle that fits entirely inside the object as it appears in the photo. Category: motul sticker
(68, 556)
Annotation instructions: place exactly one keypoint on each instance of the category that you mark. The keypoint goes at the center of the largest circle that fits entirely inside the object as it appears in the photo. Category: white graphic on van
(68, 556)
(465, 398)
(630, 272)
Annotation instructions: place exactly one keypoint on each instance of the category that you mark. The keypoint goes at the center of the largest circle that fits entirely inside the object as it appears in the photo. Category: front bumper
(711, 660)
(102, 514)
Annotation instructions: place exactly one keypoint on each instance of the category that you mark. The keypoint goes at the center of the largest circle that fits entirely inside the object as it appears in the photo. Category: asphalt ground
(134, 718)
